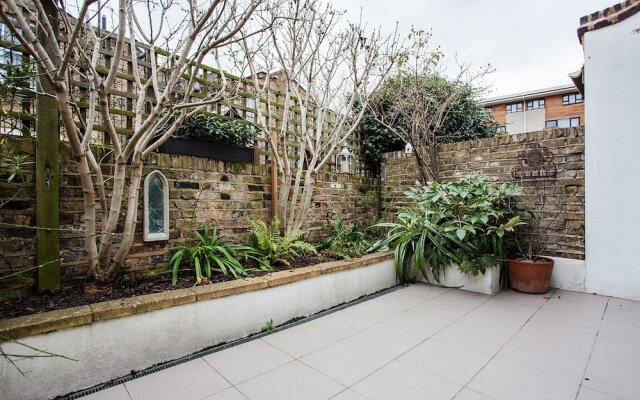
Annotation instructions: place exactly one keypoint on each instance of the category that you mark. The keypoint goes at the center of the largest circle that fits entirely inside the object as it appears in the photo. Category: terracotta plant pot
(530, 277)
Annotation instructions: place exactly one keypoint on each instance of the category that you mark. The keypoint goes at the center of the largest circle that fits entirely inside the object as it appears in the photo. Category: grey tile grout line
(299, 359)
(223, 377)
(219, 347)
(435, 333)
(502, 347)
(127, 390)
(550, 296)
(350, 387)
(593, 345)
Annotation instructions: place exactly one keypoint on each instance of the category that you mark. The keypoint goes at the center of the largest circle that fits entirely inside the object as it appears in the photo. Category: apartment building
(555, 107)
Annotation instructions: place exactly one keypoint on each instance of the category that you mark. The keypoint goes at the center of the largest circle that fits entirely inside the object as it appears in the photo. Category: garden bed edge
(29, 325)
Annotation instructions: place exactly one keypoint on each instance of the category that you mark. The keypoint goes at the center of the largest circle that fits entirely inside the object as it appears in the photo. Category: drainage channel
(220, 347)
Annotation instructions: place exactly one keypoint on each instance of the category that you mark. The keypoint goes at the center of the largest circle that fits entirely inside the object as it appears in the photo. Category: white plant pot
(451, 276)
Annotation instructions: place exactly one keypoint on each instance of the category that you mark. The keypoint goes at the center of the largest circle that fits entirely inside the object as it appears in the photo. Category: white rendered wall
(568, 274)
(612, 159)
(112, 348)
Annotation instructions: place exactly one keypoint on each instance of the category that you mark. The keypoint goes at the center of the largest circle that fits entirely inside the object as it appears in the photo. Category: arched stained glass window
(156, 207)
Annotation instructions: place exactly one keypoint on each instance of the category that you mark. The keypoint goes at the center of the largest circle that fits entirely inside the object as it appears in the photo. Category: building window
(501, 129)
(535, 104)
(563, 123)
(156, 207)
(10, 57)
(487, 111)
(251, 105)
(572, 99)
(515, 107)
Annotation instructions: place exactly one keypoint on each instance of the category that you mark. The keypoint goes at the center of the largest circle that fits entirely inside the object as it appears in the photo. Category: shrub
(275, 248)
(462, 222)
(211, 253)
(345, 240)
(216, 129)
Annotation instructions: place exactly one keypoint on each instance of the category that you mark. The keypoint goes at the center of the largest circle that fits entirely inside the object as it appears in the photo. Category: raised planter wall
(488, 283)
(205, 149)
(112, 338)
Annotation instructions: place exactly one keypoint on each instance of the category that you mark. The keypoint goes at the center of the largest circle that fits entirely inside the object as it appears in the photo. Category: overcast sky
(531, 44)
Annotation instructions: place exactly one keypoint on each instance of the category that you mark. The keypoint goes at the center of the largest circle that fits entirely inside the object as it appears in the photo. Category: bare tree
(308, 65)
(417, 99)
(166, 94)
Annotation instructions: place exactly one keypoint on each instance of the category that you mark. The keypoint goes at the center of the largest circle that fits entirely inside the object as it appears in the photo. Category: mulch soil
(90, 292)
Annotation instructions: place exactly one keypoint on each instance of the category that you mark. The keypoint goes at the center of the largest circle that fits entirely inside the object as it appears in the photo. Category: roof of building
(609, 16)
(530, 95)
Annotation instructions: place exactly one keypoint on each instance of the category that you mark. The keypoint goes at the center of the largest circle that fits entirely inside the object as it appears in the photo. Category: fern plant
(275, 248)
(212, 253)
(345, 240)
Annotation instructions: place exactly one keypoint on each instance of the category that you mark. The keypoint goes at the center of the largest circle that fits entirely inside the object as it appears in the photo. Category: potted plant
(454, 233)
(213, 137)
(529, 271)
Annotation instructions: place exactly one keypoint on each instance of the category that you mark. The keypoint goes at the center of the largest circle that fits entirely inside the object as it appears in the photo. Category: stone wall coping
(30, 325)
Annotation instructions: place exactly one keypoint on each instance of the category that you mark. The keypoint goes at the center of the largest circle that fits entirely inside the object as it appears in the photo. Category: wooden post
(47, 173)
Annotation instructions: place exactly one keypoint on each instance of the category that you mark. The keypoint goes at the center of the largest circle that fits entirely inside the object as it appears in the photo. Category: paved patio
(425, 342)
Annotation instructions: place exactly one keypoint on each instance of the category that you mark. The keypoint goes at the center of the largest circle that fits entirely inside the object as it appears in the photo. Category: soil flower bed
(89, 292)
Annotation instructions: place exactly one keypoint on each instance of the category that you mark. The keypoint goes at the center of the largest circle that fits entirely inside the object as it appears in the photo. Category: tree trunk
(130, 219)
(106, 239)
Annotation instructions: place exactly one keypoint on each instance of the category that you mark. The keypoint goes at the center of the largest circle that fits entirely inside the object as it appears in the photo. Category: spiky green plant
(276, 248)
(463, 222)
(212, 253)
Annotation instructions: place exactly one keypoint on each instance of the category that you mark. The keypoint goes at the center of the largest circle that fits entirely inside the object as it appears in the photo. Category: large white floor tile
(375, 311)
(468, 394)
(301, 340)
(572, 322)
(613, 379)
(413, 321)
(247, 360)
(625, 332)
(505, 381)
(549, 360)
(227, 394)
(342, 323)
(526, 299)
(537, 335)
(579, 297)
(480, 338)
(290, 381)
(193, 380)
(617, 352)
(624, 305)
(400, 299)
(451, 362)
(387, 339)
(587, 308)
(500, 314)
(348, 395)
(345, 362)
(398, 381)
(622, 316)
(590, 394)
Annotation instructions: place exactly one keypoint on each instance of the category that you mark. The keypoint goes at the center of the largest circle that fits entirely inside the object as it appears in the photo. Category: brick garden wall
(226, 195)
(494, 158)
(201, 192)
